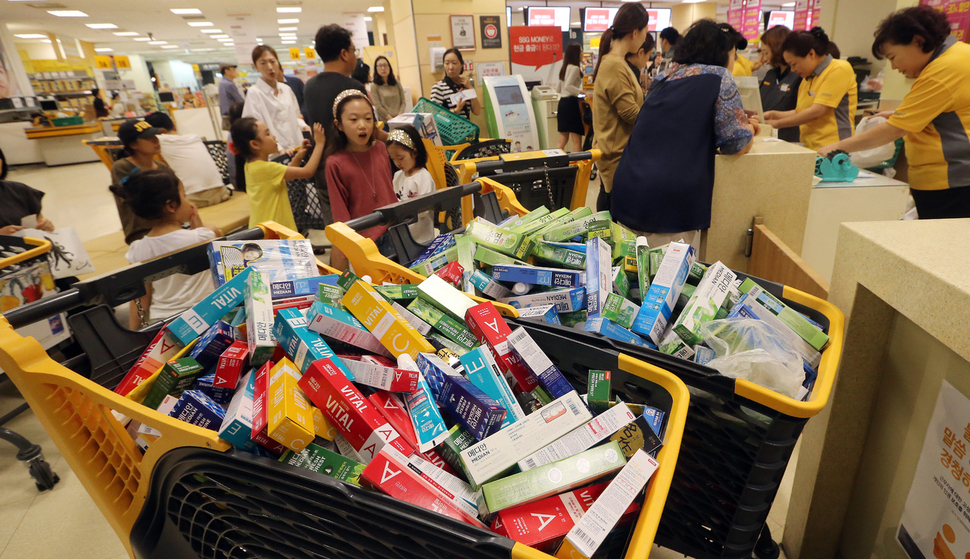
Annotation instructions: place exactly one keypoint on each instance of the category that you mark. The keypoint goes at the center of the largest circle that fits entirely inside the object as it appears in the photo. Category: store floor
(65, 522)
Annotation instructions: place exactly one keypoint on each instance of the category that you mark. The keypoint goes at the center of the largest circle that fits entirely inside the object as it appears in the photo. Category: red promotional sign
(958, 12)
(802, 15)
(535, 46)
(751, 29)
(736, 14)
(542, 17)
(599, 20)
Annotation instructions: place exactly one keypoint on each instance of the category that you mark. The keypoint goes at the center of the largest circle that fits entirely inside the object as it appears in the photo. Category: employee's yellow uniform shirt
(833, 84)
(266, 189)
(936, 113)
(743, 66)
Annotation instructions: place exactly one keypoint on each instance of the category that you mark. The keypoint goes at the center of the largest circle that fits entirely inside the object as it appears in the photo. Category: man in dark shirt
(228, 92)
(296, 85)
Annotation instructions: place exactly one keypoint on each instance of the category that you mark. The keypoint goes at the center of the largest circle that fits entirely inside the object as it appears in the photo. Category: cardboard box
(488, 286)
(621, 283)
(260, 421)
(789, 317)
(452, 329)
(421, 326)
(621, 311)
(423, 122)
(281, 259)
(341, 325)
(576, 228)
(546, 313)
(492, 456)
(615, 332)
(534, 275)
(598, 272)
(599, 391)
(301, 287)
(488, 257)
(194, 322)
(514, 221)
(483, 371)
(231, 364)
(429, 426)
(318, 459)
(575, 319)
(445, 297)
(566, 300)
(210, 346)
(467, 404)
(196, 408)
(329, 294)
(660, 299)
(176, 377)
(259, 318)
(655, 257)
(381, 376)
(456, 491)
(589, 533)
(290, 414)
(550, 479)
(237, 427)
(437, 245)
(397, 292)
(301, 345)
(491, 330)
(393, 410)
(163, 348)
(395, 333)
(436, 262)
(347, 409)
(638, 434)
(673, 344)
(703, 355)
(532, 232)
(580, 439)
(537, 363)
(218, 394)
(541, 222)
(710, 294)
(451, 447)
(452, 272)
(322, 427)
(492, 237)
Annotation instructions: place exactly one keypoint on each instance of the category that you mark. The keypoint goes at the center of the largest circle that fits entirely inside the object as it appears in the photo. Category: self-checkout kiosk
(545, 104)
(509, 113)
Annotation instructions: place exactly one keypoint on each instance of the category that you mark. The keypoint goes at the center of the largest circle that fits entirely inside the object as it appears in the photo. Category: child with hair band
(358, 169)
(407, 151)
(158, 197)
(264, 181)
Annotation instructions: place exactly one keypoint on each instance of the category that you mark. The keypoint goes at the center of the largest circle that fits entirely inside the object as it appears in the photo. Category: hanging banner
(736, 14)
(936, 520)
(751, 28)
(815, 13)
(357, 25)
(103, 62)
(536, 52)
(801, 15)
(243, 37)
(122, 62)
(958, 13)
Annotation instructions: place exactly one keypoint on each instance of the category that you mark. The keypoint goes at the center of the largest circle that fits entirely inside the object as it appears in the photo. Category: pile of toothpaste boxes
(415, 391)
(581, 270)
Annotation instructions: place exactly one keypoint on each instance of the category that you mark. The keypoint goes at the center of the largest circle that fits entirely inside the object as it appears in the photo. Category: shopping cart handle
(406, 211)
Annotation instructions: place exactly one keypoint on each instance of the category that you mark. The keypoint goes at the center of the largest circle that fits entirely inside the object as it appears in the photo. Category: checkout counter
(62, 145)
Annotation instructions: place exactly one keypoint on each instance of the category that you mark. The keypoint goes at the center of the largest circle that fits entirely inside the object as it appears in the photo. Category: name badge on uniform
(783, 87)
(811, 94)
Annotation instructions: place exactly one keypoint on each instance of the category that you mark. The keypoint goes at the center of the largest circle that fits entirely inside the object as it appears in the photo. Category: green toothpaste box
(656, 257)
(176, 377)
(551, 479)
(621, 283)
(599, 389)
(788, 316)
(488, 257)
(703, 305)
(318, 459)
(491, 236)
(696, 274)
(512, 224)
(574, 319)
(559, 256)
(451, 328)
(672, 344)
(620, 310)
(537, 224)
(436, 262)
(529, 238)
(329, 294)
(399, 293)
(602, 228)
(576, 228)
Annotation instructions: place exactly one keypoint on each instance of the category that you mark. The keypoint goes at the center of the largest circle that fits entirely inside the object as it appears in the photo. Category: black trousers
(603, 200)
(942, 204)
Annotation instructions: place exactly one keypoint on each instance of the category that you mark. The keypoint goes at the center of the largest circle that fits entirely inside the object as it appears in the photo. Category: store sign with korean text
(958, 13)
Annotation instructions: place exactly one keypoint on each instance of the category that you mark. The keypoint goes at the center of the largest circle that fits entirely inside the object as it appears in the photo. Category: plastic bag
(756, 351)
(875, 156)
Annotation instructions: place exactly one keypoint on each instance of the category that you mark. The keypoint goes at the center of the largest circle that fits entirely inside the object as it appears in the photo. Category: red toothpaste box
(491, 330)
(544, 523)
(160, 351)
(452, 274)
(364, 426)
(231, 364)
(381, 373)
(391, 406)
(389, 473)
(260, 406)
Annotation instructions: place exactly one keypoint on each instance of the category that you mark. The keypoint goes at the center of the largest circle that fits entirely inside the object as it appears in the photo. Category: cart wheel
(44, 477)
(766, 548)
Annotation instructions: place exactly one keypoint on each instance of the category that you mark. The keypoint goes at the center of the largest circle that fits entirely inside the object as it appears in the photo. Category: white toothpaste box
(660, 299)
(598, 275)
(341, 325)
(581, 438)
(545, 313)
(710, 294)
(566, 300)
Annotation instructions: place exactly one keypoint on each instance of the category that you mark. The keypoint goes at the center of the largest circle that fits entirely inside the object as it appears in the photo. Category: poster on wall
(491, 31)
(958, 13)
(489, 69)
(936, 520)
(536, 52)
(463, 32)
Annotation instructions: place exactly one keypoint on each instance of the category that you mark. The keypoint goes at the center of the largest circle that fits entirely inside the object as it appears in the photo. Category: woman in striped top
(454, 82)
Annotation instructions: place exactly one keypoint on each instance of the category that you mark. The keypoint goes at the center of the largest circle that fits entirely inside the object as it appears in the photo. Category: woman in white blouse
(273, 102)
(570, 88)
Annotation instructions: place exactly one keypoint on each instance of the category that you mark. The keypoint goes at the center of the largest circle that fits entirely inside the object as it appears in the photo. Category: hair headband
(345, 94)
(401, 137)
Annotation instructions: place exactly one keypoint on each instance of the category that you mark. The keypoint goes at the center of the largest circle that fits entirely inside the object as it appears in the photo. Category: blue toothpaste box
(545, 313)
(219, 394)
(216, 340)
(614, 331)
(194, 322)
(237, 427)
(439, 244)
(703, 355)
(301, 287)
(282, 259)
(599, 269)
(468, 405)
(536, 361)
(302, 346)
(578, 247)
(483, 371)
(553, 277)
(196, 408)
(566, 300)
(488, 286)
(662, 296)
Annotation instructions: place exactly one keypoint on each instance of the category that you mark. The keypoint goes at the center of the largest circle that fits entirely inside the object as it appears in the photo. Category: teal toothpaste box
(484, 373)
(545, 313)
(341, 325)
(194, 322)
(302, 346)
(660, 299)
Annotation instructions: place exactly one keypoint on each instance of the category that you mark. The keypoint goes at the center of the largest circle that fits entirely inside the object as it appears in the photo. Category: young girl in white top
(158, 197)
(408, 153)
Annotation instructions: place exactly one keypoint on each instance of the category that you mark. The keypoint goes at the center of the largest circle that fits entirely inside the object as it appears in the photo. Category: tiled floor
(65, 522)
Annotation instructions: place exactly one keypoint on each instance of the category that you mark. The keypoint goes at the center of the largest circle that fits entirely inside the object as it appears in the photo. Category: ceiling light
(375, 9)
(287, 34)
(788, 5)
(170, 46)
(288, 10)
(31, 36)
(211, 30)
(218, 36)
(520, 9)
(224, 40)
(158, 42)
(228, 44)
(186, 11)
(287, 42)
(103, 49)
(288, 29)
(67, 13)
(368, 18)
(101, 25)
(284, 21)
(143, 39)
(127, 34)
(200, 24)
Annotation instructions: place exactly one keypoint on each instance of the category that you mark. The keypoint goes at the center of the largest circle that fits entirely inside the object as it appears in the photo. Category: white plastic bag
(68, 257)
(875, 156)
(755, 351)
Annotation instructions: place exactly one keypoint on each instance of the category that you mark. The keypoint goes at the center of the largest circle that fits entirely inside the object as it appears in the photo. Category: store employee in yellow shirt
(934, 117)
(827, 96)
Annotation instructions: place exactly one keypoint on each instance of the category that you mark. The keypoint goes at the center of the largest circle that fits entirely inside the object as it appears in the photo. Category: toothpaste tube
(429, 426)
(484, 373)
(598, 271)
(538, 363)
(659, 301)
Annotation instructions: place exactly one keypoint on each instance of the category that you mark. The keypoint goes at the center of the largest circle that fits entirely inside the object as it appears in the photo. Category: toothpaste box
(424, 123)
(697, 271)
(550, 479)
(620, 310)
(176, 377)
(421, 326)
(655, 257)
(300, 303)
(471, 408)
(454, 330)
(210, 346)
(621, 283)
(492, 237)
(559, 256)
(542, 524)
(301, 345)
(601, 228)
(262, 392)
(347, 409)
(443, 344)
(164, 347)
(194, 322)
(514, 221)
(673, 344)
(439, 293)
(378, 316)
(452, 273)
(598, 272)
(533, 231)
(546, 313)
(599, 391)
(789, 317)
(581, 438)
(302, 287)
(484, 373)
(381, 376)
(491, 330)
(488, 257)
(537, 363)
(638, 434)
(534, 275)
(703, 355)
(290, 417)
(394, 411)
(318, 459)
(613, 331)
(259, 318)
(488, 286)
(535, 224)
(218, 394)
(659, 301)
(341, 325)
(322, 427)
(496, 454)
(231, 364)
(196, 408)
(237, 427)
(451, 448)
(345, 449)
(397, 292)
(748, 308)
(330, 294)
(436, 262)
(438, 245)
(566, 300)
(592, 529)
(710, 294)
(453, 488)
(574, 228)
(576, 319)
(282, 259)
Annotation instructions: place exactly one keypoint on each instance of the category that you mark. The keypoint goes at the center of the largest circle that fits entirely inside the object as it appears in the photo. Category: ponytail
(605, 40)
(243, 131)
(630, 18)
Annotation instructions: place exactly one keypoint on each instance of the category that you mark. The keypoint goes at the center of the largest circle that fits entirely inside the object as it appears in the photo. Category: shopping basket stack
(190, 496)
